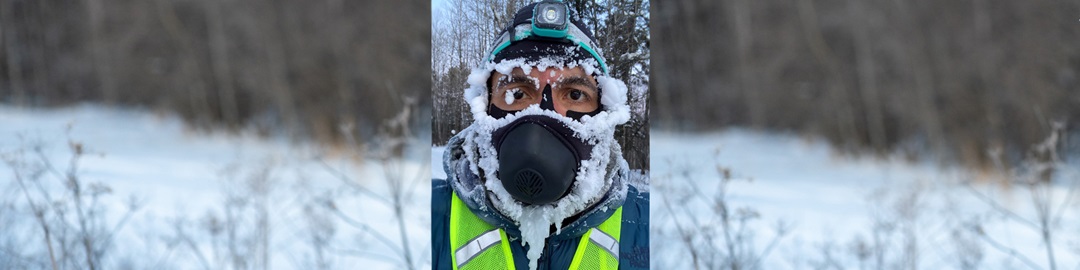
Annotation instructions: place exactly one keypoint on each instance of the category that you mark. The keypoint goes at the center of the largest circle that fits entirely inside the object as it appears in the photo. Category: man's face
(571, 89)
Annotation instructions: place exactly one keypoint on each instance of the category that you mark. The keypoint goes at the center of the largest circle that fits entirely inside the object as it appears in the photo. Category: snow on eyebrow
(515, 78)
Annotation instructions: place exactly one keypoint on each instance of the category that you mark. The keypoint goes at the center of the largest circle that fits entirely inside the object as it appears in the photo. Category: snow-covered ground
(840, 211)
(188, 182)
(834, 208)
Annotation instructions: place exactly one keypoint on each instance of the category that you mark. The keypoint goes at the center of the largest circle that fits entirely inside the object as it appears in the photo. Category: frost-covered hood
(470, 188)
(599, 184)
(592, 176)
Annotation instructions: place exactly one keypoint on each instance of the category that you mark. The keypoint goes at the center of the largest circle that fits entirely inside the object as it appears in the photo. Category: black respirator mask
(538, 155)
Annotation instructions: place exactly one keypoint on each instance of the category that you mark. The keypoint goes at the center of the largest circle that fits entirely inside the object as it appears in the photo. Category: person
(538, 179)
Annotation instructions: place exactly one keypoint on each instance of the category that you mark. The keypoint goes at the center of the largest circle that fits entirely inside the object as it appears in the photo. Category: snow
(476, 93)
(828, 199)
(182, 175)
(535, 223)
(830, 202)
(437, 170)
(509, 98)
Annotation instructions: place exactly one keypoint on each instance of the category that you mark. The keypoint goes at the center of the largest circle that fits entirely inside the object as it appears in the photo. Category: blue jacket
(559, 248)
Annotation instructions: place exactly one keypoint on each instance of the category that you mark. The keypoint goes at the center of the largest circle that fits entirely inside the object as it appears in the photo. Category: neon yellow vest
(475, 244)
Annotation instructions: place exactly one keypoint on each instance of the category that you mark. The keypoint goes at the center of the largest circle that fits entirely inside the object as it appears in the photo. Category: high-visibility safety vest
(475, 244)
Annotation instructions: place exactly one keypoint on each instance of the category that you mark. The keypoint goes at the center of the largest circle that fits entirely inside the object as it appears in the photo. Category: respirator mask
(538, 154)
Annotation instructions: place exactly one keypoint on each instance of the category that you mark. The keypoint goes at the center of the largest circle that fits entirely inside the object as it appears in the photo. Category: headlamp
(550, 19)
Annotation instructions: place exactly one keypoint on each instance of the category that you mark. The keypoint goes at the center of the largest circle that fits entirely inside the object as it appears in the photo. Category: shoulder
(440, 218)
(636, 207)
(634, 193)
(440, 200)
(634, 242)
(440, 196)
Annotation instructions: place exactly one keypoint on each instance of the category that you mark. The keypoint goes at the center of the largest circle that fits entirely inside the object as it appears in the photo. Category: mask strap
(494, 111)
(578, 115)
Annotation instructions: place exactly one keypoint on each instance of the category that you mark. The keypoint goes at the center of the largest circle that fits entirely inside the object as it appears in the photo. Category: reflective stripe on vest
(606, 242)
(600, 245)
(475, 244)
(474, 247)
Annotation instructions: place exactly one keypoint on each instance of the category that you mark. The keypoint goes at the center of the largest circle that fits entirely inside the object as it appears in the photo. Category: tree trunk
(741, 12)
(867, 75)
(219, 59)
(100, 54)
(13, 56)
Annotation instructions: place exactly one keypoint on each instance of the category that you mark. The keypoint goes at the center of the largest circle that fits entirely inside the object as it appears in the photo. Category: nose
(547, 78)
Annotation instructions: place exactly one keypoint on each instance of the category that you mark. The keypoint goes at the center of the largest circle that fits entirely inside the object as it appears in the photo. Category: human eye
(578, 89)
(578, 95)
(514, 96)
(515, 93)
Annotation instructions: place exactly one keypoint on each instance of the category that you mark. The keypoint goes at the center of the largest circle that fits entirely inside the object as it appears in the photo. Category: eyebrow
(515, 78)
(578, 80)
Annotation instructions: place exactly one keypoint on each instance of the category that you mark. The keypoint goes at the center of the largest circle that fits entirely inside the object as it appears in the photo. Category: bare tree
(870, 76)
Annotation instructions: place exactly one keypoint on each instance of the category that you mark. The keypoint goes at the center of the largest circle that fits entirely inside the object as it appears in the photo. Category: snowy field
(841, 212)
(204, 201)
(226, 201)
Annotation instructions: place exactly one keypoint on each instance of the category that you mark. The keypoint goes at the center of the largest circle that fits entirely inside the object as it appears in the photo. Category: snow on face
(591, 182)
(509, 96)
(592, 178)
(613, 91)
